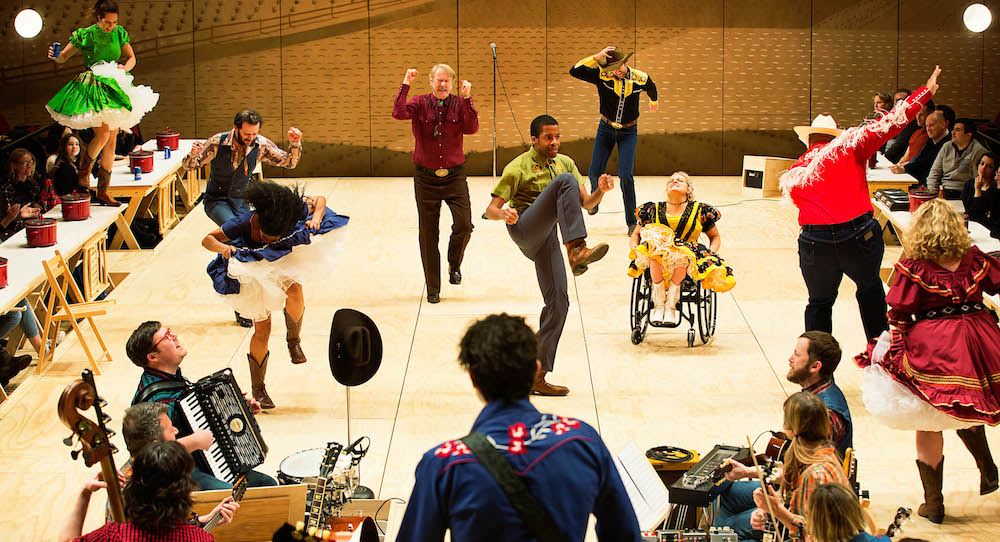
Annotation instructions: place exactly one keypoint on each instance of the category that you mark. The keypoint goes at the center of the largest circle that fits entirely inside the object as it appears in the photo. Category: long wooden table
(883, 177)
(154, 193)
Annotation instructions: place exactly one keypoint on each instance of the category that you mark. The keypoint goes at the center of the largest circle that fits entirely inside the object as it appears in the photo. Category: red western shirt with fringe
(835, 189)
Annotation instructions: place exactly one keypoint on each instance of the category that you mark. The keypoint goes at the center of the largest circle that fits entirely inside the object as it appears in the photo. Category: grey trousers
(535, 234)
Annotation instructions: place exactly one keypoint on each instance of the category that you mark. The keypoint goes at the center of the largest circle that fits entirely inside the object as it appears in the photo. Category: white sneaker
(656, 315)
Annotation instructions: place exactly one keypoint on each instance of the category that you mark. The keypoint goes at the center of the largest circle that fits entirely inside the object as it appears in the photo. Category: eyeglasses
(25, 163)
(168, 335)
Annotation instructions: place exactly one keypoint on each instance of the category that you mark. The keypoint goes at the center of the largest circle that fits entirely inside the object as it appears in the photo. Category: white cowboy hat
(822, 124)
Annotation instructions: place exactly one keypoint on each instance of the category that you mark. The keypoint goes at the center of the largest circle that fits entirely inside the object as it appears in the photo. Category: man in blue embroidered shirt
(563, 461)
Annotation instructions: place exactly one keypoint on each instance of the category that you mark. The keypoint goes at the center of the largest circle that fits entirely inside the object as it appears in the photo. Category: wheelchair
(696, 306)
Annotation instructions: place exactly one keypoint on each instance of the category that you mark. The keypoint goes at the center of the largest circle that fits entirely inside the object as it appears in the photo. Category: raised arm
(403, 109)
(587, 69)
(875, 134)
(73, 527)
(67, 51)
(201, 153)
(272, 155)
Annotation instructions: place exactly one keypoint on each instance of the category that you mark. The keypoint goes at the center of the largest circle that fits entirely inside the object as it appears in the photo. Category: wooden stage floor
(660, 392)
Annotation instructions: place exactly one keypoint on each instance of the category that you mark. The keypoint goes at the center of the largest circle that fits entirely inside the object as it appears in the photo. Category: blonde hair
(937, 233)
(834, 514)
(808, 420)
(16, 156)
(447, 69)
(687, 179)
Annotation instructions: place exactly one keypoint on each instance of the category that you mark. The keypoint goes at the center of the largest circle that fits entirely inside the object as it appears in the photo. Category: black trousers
(826, 256)
(429, 191)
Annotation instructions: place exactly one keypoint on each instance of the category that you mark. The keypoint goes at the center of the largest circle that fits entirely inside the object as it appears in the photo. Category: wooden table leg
(124, 234)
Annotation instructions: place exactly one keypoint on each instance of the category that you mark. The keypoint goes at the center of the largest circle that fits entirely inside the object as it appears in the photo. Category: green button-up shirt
(526, 176)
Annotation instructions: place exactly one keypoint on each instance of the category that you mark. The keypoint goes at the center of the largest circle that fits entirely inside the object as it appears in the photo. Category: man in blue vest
(811, 365)
(563, 462)
(234, 155)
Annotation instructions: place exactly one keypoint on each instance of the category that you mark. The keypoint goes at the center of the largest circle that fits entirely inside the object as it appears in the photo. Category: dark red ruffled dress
(951, 363)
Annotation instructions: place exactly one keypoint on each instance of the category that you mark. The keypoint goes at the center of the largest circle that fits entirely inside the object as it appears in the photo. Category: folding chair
(59, 309)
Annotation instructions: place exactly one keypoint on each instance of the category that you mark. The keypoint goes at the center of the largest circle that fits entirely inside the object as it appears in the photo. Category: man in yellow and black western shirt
(618, 87)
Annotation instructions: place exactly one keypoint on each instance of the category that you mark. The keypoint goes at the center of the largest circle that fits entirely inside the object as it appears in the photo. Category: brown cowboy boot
(257, 372)
(580, 256)
(83, 174)
(931, 478)
(975, 440)
(103, 182)
(542, 387)
(292, 337)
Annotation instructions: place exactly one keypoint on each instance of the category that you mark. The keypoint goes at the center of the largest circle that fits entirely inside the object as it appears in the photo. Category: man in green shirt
(544, 189)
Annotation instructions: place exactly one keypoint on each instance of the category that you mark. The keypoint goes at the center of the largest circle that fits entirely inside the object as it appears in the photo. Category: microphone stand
(494, 115)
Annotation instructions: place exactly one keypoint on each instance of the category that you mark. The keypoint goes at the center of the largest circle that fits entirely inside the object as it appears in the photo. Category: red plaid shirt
(837, 425)
(126, 532)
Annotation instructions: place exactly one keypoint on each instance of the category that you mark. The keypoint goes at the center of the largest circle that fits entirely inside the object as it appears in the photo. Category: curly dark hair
(278, 207)
(158, 496)
(500, 352)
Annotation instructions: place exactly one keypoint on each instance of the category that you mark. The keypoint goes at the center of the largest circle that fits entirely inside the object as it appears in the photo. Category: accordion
(216, 404)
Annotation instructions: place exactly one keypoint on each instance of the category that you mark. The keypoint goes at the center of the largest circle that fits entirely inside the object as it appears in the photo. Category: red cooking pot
(142, 159)
(920, 196)
(41, 232)
(168, 138)
(3, 272)
(75, 206)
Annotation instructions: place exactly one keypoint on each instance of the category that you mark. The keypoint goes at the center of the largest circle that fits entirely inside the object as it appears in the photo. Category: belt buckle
(616, 125)
(441, 172)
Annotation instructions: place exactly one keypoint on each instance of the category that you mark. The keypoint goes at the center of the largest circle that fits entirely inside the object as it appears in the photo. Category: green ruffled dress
(104, 94)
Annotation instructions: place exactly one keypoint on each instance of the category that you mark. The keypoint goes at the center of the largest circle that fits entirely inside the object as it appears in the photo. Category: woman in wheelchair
(668, 236)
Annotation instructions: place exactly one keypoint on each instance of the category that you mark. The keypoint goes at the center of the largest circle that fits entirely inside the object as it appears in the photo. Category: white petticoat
(142, 97)
(894, 405)
(263, 283)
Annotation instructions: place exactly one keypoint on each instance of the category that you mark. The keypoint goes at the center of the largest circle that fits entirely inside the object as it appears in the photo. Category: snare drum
(295, 468)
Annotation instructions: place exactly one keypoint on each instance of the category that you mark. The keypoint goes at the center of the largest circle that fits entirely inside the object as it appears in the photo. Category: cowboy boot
(542, 387)
(103, 182)
(292, 329)
(673, 296)
(975, 440)
(580, 256)
(257, 372)
(931, 478)
(83, 174)
(10, 366)
(659, 303)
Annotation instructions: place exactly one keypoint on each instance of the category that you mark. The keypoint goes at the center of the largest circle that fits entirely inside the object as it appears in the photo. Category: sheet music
(644, 487)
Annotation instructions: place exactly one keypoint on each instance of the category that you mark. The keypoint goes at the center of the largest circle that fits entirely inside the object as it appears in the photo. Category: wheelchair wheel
(707, 308)
(640, 306)
(690, 338)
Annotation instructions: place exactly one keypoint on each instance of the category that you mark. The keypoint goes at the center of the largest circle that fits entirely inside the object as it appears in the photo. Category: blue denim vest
(835, 401)
(224, 181)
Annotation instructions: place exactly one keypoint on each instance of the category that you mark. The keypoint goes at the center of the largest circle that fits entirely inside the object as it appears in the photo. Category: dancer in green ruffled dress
(103, 97)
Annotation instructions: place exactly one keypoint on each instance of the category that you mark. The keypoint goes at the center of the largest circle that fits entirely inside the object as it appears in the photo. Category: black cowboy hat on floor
(355, 347)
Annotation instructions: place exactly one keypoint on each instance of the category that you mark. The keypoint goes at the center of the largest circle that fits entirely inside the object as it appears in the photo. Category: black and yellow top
(619, 97)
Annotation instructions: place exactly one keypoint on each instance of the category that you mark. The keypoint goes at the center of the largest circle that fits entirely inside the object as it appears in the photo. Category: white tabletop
(882, 173)
(123, 177)
(24, 263)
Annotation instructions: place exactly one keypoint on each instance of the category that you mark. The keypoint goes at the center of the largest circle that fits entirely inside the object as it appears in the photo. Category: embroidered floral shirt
(562, 460)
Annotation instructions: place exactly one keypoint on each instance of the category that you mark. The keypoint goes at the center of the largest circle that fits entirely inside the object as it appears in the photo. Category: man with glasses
(159, 353)
(439, 122)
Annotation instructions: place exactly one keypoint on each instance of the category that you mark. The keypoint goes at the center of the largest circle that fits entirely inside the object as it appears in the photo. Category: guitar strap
(159, 386)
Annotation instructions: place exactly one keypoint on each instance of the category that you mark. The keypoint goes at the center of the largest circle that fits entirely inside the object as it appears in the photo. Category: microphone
(493, 47)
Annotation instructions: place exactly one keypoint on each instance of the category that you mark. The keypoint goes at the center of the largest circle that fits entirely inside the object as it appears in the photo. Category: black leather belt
(618, 125)
(440, 172)
(950, 310)
(854, 222)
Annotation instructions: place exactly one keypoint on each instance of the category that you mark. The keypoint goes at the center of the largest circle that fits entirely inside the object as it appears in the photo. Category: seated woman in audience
(157, 501)
(811, 460)
(667, 236)
(981, 195)
(23, 194)
(11, 366)
(65, 174)
(937, 369)
(56, 134)
(835, 515)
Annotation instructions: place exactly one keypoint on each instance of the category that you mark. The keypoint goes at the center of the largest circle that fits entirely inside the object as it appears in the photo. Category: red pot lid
(39, 222)
(167, 132)
(3, 261)
(140, 154)
(75, 198)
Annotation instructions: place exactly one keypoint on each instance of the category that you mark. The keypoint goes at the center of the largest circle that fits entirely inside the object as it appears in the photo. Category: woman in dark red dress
(942, 367)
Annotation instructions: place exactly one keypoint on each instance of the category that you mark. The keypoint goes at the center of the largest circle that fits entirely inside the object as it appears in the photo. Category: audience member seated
(811, 460)
(811, 365)
(21, 194)
(157, 502)
(158, 351)
(919, 137)
(65, 179)
(920, 166)
(11, 366)
(957, 161)
(897, 146)
(949, 115)
(900, 95)
(881, 103)
(981, 195)
(562, 461)
(835, 515)
(56, 134)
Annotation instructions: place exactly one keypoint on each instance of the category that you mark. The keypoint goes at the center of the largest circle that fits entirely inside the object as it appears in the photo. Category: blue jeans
(626, 139)
(735, 506)
(826, 256)
(11, 319)
(207, 482)
(224, 209)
